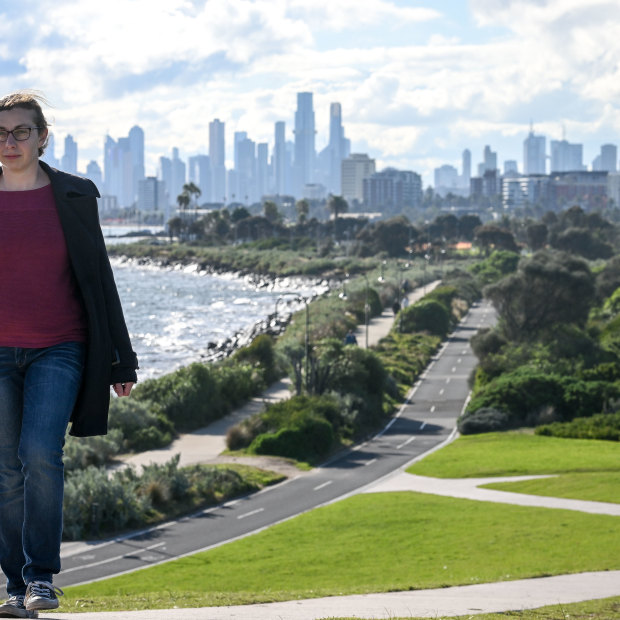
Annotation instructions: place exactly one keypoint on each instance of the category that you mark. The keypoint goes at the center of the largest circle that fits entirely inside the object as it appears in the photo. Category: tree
(270, 210)
(550, 288)
(336, 206)
(491, 236)
(193, 191)
(536, 234)
(303, 208)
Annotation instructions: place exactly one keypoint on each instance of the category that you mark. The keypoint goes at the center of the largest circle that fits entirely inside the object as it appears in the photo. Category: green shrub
(426, 315)
(141, 422)
(310, 438)
(81, 452)
(604, 426)
(260, 353)
(484, 420)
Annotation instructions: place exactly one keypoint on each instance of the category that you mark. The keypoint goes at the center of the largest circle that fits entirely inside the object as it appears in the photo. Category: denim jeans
(38, 389)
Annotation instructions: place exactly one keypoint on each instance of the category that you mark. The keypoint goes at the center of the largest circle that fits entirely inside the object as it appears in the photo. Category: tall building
(262, 169)
(136, 150)
(534, 154)
(356, 168)
(93, 172)
(446, 179)
(609, 158)
(337, 149)
(217, 156)
(152, 196)
(566, 157)
(49, 156)
(69, 159)
(178, 176)
(280, 168)
(489, 161)
(245, 168)
(305, 152)
(466, 175)
(392, 189)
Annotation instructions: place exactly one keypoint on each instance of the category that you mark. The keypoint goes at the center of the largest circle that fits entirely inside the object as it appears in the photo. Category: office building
(199, 173)
(217, 156)
(534, 154)
(152, 196)
(566, 157)
(280, 167)
(392, 190)
(356, 168)
(70, 157)
(305, 152)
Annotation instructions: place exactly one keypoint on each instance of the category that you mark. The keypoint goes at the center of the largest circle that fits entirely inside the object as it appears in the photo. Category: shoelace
(17, 600)
(43, 589)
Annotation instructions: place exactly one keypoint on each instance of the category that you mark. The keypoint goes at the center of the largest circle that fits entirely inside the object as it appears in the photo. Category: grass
(376, 543)
(595, 487)
(518, 454)
(603, 609)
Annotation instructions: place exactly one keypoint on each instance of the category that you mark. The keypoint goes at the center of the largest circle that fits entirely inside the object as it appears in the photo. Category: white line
(405, 443)
(441, 392)
(114, 559)
(322, 486)
(251, 513)
(433, 409)
(369, 462)
(423, 425)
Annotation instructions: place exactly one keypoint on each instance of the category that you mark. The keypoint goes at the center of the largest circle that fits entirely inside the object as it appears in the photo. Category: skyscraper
(305, 152)
(566, 157)
(69, 159)
(200, 175)
(279, 159)
(136, 150)
(466, 163)
(534, 154)
(337, 149)
(217, 155)
(609, 157)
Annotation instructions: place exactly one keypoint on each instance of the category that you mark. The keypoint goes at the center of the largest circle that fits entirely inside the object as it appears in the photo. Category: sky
(418, 81)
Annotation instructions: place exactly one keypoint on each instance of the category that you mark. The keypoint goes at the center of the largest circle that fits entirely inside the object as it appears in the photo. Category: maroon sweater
(39, 302)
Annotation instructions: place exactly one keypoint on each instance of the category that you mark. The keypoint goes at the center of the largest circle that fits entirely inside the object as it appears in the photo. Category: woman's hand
(123, 389)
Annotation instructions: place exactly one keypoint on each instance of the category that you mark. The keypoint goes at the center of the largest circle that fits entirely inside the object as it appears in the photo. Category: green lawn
(371, 543)
(518, 454)
(596, 487)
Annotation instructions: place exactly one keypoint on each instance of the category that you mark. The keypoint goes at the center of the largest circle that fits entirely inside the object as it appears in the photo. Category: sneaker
(42, 595)
(15, 608)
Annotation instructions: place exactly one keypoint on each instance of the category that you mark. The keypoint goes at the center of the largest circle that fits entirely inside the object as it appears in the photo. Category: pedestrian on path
(63, 342)
(350, 338)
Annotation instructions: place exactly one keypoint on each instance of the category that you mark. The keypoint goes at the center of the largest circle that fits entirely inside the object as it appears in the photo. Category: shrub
(426, 315)
(142, 424)
(604, 426)
(80, 452)
(484, 420)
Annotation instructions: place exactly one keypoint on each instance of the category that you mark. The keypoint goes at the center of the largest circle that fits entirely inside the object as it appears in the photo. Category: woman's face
(19, 156)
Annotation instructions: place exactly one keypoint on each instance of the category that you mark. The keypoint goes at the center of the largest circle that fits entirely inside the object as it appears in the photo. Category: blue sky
(419, 81)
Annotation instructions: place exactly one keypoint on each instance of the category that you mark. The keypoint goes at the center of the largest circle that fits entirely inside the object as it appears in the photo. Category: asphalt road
(425, 421)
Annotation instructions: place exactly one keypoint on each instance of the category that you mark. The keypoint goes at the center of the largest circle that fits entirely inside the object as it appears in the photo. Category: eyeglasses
(20, 133)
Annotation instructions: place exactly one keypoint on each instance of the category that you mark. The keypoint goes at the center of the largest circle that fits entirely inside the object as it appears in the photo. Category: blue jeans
(38, 389)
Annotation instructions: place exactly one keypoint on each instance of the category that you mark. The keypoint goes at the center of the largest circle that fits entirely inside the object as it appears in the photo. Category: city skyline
(417, 81)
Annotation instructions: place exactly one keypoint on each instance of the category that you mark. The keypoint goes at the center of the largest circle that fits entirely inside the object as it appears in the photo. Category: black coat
(109, 356)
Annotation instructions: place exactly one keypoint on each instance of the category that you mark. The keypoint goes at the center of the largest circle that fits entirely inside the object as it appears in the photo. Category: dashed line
(441, 392)
(322, 486)
(405, 443)
(251, 513)
(370, 462)
(422, 426)
(114, 559)
(433, 409)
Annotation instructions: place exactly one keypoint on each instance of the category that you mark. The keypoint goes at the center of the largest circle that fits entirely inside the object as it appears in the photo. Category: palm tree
(193, 192)
(337, 205)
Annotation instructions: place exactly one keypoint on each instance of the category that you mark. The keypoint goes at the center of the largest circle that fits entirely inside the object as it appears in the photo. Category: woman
(63, 342)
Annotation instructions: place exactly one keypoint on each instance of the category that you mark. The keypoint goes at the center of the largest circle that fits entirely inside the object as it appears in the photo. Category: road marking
(322, 486)
(422, 426)
(114, 559)
(441, 392)
(369, 462)
(433, 409)
(251, 513)
(448, 380)
(453, 368)
(405, 443)
(458, 361)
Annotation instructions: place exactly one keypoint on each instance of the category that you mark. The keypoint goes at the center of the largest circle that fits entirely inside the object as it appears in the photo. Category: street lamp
(381, 278)
(366, 308)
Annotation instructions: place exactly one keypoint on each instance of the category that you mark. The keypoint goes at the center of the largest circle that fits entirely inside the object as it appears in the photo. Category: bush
(142, 425)
(81, 452)
(426, 315)
(604, 426)
(484, 420)
(311, 438)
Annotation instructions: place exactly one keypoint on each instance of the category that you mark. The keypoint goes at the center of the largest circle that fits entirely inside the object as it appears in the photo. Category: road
(425, 421)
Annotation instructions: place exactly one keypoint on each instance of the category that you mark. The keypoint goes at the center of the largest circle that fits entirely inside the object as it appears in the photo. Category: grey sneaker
(15, 608)
(42, 595)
